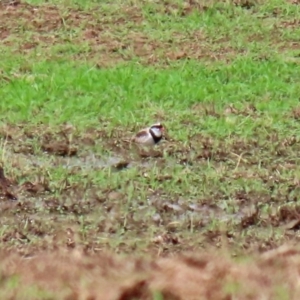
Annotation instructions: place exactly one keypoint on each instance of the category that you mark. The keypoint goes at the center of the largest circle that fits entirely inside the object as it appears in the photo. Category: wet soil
(256, 208)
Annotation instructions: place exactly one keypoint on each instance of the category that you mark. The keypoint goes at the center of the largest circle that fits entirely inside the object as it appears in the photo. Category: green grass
(54, 93)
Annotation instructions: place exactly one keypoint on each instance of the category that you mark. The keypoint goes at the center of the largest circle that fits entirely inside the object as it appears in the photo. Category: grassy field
(79, 78)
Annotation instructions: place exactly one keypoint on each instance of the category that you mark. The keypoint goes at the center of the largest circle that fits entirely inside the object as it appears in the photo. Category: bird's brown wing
(141, 134)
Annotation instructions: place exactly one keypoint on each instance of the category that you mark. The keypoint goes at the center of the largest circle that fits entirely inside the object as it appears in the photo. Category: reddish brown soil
(76, 275)
(109, 39)
(41, 26)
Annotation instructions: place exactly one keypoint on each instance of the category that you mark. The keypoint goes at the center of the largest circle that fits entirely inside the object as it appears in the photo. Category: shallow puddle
(90, 161)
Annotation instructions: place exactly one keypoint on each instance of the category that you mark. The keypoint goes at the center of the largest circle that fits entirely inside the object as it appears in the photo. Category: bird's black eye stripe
(159, 126)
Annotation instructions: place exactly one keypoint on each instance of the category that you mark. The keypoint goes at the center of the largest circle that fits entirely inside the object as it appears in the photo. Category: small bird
(149, 136)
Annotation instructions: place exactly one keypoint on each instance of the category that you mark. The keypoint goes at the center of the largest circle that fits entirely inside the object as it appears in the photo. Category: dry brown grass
(76, 275)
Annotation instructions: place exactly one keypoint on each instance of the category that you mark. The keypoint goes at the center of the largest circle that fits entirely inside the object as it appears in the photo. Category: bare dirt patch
(76, 275)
